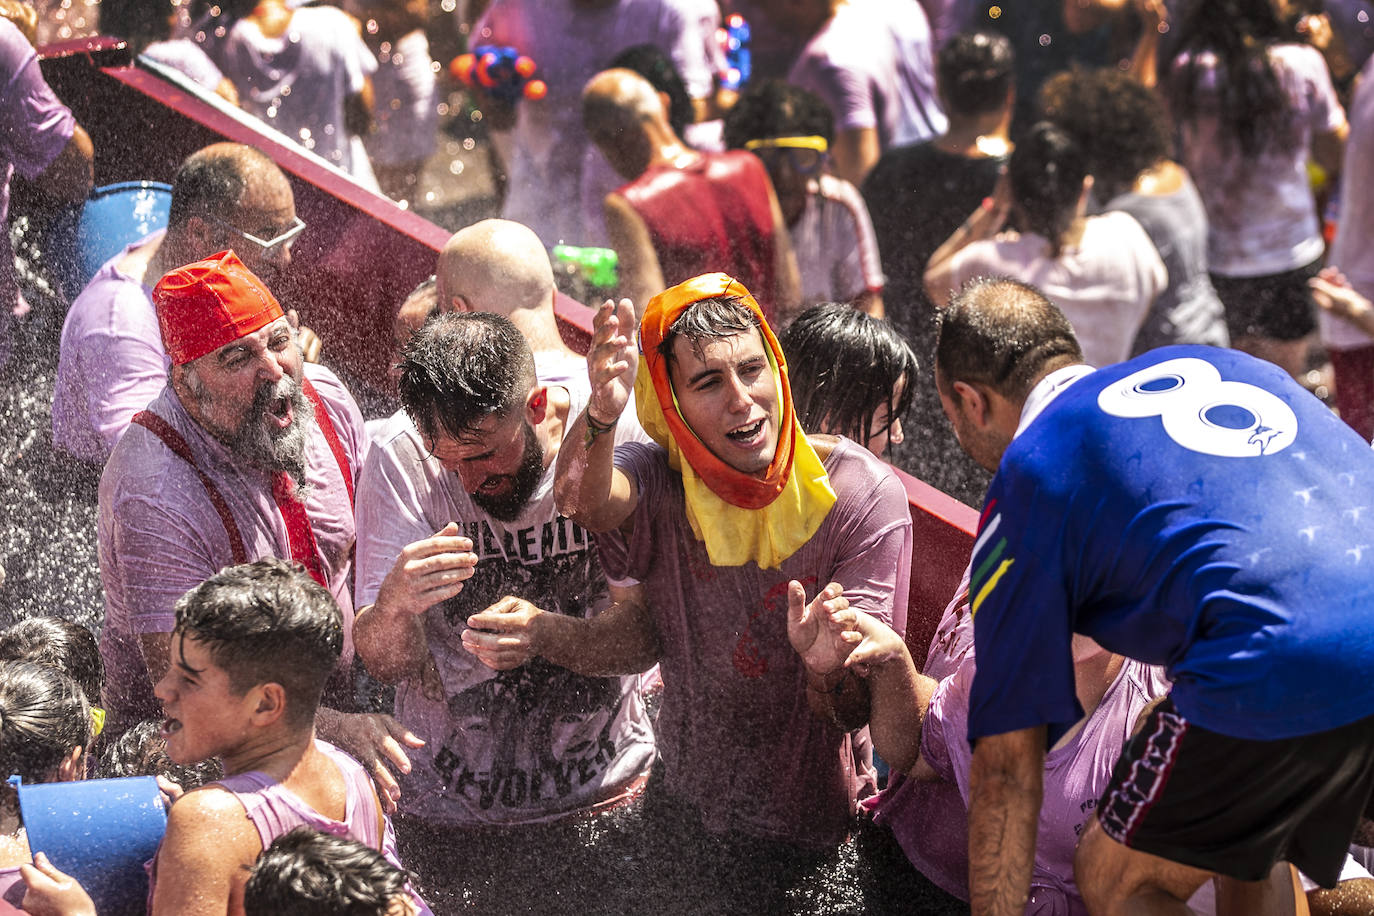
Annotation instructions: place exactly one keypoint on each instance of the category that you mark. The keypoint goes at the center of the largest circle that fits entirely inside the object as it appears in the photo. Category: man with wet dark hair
(111, 361)
(309, 873)
(456, 517)
(733, 541)
(1190, 508)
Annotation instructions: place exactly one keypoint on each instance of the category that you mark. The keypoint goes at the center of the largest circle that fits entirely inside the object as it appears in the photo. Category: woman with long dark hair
(1102, 271)
(1250, 107)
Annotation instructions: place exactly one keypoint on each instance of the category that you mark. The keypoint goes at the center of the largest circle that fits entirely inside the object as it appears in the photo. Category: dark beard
(277, 449)
(526, 478)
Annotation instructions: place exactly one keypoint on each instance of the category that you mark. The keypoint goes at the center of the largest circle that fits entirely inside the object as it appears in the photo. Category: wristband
(595, 427)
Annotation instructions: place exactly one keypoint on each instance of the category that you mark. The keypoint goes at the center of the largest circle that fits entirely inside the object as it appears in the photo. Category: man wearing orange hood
(713, 538)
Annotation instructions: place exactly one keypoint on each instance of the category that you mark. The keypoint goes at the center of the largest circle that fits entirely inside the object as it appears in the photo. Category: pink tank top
(275, 809)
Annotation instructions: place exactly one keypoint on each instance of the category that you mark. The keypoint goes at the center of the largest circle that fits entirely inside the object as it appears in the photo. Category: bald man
(111, 360)
(501, 266)
(683, 212)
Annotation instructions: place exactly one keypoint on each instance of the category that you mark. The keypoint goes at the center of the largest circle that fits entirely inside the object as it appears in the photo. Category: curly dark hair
(1119, 125)
(57, 643)
(308, 873)
(776, 109)
(1231, 38)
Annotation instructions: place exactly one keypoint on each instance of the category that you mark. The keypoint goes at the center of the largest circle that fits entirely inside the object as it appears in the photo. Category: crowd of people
(571, 610)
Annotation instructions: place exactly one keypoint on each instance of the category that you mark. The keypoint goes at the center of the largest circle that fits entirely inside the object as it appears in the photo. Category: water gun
(739, 64)
(502, 72)
(586, 272)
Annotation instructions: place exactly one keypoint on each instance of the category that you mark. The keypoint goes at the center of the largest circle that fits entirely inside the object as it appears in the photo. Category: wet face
(205, 717)
(266, 210)
(728, 396)
(248, 395)
(500, 463)
(791, 169)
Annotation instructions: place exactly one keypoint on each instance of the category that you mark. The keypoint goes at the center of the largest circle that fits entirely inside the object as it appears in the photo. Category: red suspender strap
(173, 440)
(330, 435)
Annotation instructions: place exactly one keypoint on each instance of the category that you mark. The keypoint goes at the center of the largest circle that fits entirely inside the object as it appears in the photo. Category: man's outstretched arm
(1004, 810)
(620, 640)
(588, 488)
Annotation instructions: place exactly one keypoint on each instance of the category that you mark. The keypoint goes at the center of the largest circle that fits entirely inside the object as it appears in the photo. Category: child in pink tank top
(251, 652)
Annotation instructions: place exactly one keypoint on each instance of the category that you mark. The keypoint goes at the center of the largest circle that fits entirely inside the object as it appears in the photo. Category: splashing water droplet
(1362, 16)
(469, 144)
(1045, 41)
(994, 12)
(456, 167)
(442, 108)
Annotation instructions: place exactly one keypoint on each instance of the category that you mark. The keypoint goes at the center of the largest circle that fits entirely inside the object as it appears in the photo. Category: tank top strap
(363, 813)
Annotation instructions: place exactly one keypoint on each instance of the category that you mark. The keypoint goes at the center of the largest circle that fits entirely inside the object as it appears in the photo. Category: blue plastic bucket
(116, 215)
(99, 831)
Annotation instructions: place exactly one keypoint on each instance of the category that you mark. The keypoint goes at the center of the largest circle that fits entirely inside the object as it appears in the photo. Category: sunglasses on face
(285, 238)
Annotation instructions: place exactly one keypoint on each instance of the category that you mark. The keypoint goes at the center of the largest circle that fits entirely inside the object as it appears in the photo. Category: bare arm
(389, 633)
(202, 864)
(69, 176)
(1004, 810)
(983, 223)
(899, 696)
(1145, 61)
(641, 277)
(786, 275)
(1332, 292)
(856, 150)
(587, 487)
(870, 302)
(620, 640)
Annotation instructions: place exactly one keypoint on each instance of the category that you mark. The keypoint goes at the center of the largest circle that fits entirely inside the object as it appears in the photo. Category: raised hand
(428, 571)
(612, 360)
(375, 740)
(823, 631)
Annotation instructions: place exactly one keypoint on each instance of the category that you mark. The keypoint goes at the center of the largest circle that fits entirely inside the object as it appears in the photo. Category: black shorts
(1277, 306)
(1237, 807)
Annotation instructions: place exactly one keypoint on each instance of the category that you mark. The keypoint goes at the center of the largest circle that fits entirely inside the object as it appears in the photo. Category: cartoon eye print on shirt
(1203, 413)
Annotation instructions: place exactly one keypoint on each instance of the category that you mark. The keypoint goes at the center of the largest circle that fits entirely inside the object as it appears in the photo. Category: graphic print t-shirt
(507, 747)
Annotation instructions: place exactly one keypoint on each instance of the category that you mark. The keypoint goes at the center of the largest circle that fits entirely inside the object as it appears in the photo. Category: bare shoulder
(823, 444)
(209, 809)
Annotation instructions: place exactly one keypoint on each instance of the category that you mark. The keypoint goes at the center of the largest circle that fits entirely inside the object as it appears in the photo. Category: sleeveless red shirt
(712, 215)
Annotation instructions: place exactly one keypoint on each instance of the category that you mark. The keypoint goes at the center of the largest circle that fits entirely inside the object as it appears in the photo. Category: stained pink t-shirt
(34, 129)
(736, 735)
(159, 535)
(110, 363)
(1076, 772)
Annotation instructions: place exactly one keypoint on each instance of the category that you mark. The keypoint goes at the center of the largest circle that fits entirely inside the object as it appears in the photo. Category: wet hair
(650, 62)
(974, 71)
(1003, 334)
(43, 715)
(844, 365)
(308, 873)
(142, 751)
(1119, 125)
(267, 622)
(210, 182)
(462, 367)
(1247, 97)
(57, 643)
(777, 109)
(705, 319)
(1046, 171)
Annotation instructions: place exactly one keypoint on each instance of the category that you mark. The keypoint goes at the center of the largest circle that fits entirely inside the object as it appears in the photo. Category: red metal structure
(362, 254)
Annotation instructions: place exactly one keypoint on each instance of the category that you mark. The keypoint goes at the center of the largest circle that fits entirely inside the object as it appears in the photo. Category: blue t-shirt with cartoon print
(1192, 508)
